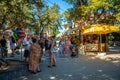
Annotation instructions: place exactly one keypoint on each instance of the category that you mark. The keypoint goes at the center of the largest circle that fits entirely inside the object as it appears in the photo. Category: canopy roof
(100, 29)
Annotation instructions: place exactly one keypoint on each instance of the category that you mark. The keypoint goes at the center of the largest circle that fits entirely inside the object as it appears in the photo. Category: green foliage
(15, 13)
(29, 14)
(110, 37)
(118, 17)
(48, 18)
(84, 9)
(55, 32)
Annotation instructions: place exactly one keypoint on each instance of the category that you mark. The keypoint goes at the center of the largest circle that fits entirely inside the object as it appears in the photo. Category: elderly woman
(35, 57)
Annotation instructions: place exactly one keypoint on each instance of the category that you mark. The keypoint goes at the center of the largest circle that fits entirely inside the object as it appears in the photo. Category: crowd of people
(36, 47)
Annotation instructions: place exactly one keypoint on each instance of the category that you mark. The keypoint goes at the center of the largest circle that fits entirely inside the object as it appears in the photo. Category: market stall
(100, 29)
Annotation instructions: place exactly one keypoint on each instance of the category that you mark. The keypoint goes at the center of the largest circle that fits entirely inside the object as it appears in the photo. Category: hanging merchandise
(19, 28)
(15, 35)
(19, 33)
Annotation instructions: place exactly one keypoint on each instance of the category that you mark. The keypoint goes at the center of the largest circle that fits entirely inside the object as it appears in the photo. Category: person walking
(47, 45)
(12, 45)
(35, 57)
(41, 42)
(52, 53)
(3, 44)
(26, 44)
(67, 46)
(61, 47)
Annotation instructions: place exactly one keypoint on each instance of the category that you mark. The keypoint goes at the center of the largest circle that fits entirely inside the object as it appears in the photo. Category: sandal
(54, 65)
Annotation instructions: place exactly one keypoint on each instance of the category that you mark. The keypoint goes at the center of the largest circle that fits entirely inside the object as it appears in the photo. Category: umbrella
(100, 29)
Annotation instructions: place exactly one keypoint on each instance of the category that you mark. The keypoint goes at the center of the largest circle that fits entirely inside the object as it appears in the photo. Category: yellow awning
(101, 29)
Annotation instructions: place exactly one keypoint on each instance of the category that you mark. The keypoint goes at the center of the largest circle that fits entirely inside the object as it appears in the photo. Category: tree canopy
(33, 14)
(94, 11)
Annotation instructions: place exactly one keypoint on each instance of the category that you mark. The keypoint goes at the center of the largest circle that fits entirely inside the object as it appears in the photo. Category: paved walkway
(114, 48)
(81, 68)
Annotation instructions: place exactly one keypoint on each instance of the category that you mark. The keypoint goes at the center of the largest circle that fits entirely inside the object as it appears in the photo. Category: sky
(62, 4)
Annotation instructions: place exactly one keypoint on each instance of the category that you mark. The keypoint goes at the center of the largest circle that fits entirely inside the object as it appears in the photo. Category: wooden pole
(100, 42)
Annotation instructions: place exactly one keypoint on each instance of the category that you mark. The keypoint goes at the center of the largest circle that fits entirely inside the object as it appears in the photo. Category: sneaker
(50, 66)
(33, 72)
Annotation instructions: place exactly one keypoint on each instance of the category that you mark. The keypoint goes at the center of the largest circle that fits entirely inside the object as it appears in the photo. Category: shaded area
(82, 68)
(15, 69)
(3, 65)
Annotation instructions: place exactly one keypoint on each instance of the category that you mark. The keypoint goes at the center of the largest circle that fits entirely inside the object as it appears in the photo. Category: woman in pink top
(67, 47)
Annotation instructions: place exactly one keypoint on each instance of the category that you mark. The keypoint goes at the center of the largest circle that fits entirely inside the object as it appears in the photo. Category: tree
(94, 11)
(48, 18)
(16, 13)
(87, 12)
(33, 14)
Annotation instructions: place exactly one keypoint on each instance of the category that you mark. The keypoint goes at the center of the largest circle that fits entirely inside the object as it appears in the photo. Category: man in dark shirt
(3, 43)
(41, 42)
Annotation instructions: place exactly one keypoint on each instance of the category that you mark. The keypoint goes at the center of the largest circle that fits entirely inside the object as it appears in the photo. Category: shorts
(26, 53)
(13, 46)
(3, 49)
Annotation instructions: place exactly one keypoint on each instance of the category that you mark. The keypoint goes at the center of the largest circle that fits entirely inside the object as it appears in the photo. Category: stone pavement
(84, 67)
(114, 48)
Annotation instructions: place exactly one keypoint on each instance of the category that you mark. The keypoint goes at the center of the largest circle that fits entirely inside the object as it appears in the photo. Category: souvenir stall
(101, 30)
(19, 34)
